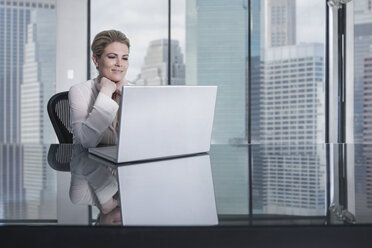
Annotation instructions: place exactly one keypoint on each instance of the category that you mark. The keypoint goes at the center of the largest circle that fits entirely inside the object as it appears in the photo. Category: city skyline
(287, 83)
(127, 17)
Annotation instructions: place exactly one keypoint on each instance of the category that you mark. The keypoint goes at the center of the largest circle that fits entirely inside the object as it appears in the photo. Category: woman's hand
(106, 86)
(119, 86)
(108, 206)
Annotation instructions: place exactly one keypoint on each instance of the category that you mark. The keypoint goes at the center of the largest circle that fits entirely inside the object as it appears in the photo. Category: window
(146, 25)
(295, 47)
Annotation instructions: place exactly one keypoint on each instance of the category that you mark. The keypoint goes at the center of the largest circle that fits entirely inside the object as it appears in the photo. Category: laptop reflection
(173, 192)
(168, 192)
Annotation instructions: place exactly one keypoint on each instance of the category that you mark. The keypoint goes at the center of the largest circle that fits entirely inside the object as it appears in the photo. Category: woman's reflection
(94, 184)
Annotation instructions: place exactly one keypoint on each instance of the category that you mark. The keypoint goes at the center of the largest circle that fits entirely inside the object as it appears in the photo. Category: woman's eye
(125, 58)
(111, 57)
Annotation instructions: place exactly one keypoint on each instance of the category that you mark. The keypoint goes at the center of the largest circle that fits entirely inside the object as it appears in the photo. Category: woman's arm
(90, 123)
(91, 182)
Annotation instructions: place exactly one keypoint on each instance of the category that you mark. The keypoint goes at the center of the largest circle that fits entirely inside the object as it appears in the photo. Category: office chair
(59, 114)
(59, 156)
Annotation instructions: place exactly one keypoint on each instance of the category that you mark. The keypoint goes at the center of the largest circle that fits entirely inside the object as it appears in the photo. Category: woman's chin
(115, 79)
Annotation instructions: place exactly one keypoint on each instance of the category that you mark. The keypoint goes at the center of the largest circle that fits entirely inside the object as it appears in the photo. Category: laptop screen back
(165, 121)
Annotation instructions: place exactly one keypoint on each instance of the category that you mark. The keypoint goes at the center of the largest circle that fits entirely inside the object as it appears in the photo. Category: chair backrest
(59, 114)
(59, 156)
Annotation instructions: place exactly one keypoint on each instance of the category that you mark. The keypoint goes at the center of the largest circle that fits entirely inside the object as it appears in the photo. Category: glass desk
(259, 195)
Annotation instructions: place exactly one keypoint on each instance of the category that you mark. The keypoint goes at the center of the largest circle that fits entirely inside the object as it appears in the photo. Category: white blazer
(93, 115)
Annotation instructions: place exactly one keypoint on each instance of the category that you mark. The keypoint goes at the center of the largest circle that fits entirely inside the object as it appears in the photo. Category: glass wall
(27, 70)
(217, 54)
(287, 72)
(27, 81)
(265, 56)
(270, 80)
(287, 106)
(146, 25)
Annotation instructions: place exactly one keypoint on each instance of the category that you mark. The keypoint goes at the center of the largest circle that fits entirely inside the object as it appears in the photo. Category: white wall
(72, 28)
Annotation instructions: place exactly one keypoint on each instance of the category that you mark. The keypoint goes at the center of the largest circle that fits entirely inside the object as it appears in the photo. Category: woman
(94, 104)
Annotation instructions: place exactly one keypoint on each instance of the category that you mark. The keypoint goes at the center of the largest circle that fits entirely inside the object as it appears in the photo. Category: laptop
(172, 192)
(162, 122)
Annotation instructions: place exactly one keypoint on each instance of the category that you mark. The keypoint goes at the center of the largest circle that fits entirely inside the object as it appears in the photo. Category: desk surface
(316, 188)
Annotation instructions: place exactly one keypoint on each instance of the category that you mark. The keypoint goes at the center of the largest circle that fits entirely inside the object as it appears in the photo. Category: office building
(38, 192)
(363, 105)
(362, 47)
(361, 180)
(216, 52)
(363, 160)
(15, 15)
(367, 134)
(274, 22)
(288, 107)
(27, 72)
(155, 68)
(12, 183)
(278, 180)
(292, 102)
(362, 11)
(230, 163)
(280, 22)
(367, 104)
(292, 112)
(39, 72)
(256, 73)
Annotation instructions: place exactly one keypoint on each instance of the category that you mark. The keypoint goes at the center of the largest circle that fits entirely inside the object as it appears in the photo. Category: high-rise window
(287, 106)
(362, 71)
(287, 72)
(27, 71)
(146, 25)
(27, 81)
(363, 103)
(217, 54)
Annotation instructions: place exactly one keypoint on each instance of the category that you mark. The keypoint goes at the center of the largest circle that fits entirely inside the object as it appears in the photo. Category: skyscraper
(362, 47)
(292, 112)
(155, 68)
(12, 180)
(14, 19)
(256, 73)
(363, 105)
(292, 102)
(39, 72)
(280, 19)
(216, 52)
(27, 78)
(363, 163)
(288, 106)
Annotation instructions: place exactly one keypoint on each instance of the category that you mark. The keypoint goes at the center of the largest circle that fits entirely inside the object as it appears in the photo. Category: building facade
(216, 52)
(15, 16)
(39, 73)
(155, 68)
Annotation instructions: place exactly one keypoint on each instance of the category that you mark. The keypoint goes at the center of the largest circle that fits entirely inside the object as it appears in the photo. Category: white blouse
(91, 182)
(93, 115)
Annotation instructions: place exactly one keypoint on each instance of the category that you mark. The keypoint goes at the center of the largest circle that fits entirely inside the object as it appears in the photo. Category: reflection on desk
(173, 192)
(324, 185)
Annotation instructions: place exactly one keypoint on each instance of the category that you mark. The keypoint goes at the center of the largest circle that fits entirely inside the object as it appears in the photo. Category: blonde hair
(104, 38)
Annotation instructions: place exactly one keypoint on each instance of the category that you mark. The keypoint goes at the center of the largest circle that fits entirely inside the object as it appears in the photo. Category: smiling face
(113, 63)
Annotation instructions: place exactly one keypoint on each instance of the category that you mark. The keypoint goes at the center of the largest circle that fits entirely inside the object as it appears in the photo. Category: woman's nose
(118, 62)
